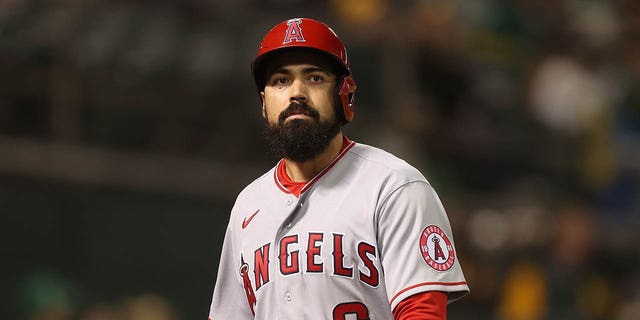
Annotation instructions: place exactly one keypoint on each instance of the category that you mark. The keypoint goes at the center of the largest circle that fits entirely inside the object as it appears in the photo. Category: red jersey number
(356, 308)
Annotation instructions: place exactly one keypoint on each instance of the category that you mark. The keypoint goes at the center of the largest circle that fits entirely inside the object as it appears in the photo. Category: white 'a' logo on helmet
(294, 31)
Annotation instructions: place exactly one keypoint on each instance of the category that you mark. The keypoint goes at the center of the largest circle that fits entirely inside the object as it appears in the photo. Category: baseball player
(337, 229)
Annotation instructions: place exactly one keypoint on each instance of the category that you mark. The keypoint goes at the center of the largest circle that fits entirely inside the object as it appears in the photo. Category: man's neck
(305, 171)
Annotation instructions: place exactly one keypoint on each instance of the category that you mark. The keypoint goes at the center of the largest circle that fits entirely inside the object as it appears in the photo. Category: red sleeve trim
(426, 284)
(429, 305)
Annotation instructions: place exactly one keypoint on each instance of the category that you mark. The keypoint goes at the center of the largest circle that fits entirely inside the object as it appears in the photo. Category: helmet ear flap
(345, 97)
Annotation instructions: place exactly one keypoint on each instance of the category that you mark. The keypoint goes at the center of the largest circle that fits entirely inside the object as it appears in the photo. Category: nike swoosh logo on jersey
(246, 221)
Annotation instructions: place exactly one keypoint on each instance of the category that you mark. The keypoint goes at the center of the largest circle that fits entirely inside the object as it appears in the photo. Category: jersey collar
(286, 185)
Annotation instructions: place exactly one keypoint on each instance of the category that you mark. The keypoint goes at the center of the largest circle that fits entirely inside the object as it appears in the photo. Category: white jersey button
(288, 296)
(289, 202)
(288, 224)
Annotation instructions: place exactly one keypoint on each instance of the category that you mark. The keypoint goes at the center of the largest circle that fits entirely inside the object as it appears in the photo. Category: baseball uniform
(363, 234)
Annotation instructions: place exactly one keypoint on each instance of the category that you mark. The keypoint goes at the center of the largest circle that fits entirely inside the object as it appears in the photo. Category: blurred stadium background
(128, 127)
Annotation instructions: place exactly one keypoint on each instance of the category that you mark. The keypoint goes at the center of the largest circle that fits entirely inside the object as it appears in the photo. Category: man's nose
(298, 91)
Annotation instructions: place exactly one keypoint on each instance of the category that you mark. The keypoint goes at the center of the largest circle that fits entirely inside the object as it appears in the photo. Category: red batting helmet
(314, 35)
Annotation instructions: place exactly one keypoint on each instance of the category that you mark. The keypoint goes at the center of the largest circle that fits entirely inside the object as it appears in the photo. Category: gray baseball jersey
(365, 233)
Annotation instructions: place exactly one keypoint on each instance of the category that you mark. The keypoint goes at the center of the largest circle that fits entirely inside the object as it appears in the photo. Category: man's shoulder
(379, 161)
(259, 185)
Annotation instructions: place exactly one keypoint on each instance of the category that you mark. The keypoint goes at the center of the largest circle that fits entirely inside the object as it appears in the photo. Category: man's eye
(316, 78)
(279, 81)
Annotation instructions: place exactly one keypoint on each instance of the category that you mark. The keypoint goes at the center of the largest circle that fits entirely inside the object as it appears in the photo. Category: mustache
(299, 108)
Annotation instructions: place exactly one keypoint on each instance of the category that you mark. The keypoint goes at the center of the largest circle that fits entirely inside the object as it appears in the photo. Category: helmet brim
(260, 64)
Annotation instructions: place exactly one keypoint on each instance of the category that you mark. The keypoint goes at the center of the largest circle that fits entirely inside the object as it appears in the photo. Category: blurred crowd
(524, 115)
(49, 296)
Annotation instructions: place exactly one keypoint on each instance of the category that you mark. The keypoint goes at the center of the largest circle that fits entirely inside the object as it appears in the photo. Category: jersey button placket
(288, 296)
(288, 223)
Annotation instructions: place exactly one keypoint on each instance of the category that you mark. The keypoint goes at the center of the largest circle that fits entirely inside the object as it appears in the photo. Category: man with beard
(337, 229)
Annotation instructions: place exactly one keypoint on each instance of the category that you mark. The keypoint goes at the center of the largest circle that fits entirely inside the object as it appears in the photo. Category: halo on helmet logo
(294, 31)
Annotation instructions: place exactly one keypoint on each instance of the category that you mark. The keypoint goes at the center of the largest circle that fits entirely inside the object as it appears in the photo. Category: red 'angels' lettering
(372, 279)
(338, 258)
(313, 251)
(261, 262)
(246, 283)
(294, 31)
(289, 261)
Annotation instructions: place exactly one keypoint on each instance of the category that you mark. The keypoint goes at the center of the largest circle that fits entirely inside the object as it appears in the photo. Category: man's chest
(324, 234)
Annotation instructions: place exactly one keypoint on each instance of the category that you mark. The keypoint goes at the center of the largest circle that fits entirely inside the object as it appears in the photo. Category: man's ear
(264, 110)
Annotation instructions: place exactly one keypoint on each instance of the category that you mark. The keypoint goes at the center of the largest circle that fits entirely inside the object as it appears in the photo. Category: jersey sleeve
(430, 305)
(416, 245)
(229, 300)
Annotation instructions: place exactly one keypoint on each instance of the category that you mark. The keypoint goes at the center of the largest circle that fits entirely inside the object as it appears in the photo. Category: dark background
(128, 127)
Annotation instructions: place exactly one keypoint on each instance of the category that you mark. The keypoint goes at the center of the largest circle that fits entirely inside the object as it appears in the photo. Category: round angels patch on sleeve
(436, 248)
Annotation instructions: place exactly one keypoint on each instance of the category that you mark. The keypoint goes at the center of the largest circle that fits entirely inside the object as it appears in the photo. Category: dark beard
(300, 140)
